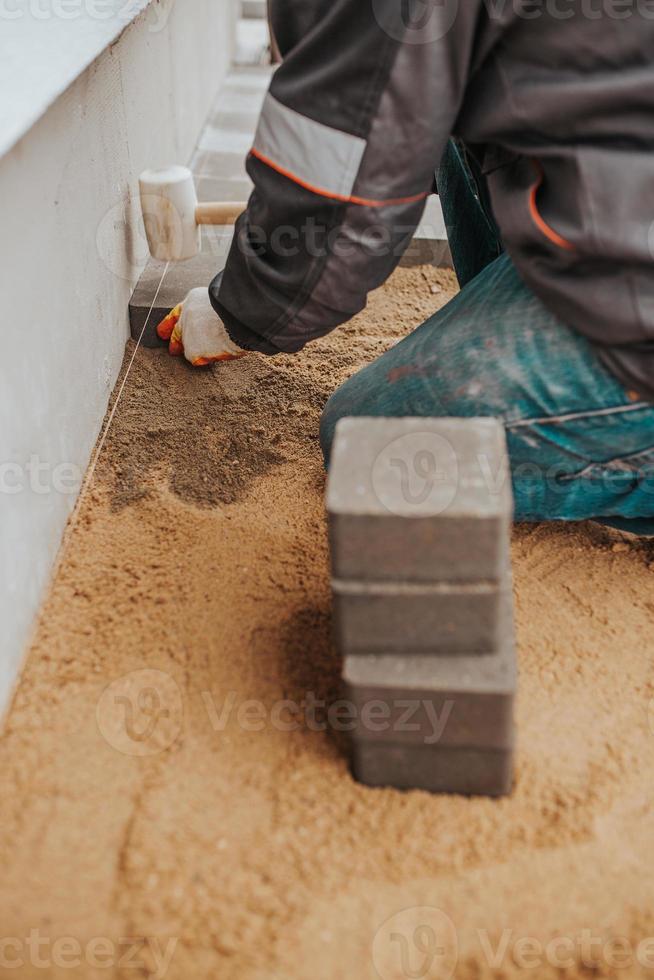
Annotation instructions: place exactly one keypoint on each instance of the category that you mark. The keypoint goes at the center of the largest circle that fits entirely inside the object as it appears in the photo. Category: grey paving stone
(210, 163)
(427, 251)
(216, 240)
(181, 277)
(236, 120)
(248, 76)
(253, 9)
(467, 771)
(419, 500)
(429, 245)
(432, 223)
(217, 140)
(223, 188)
(241, 100)
(445, 700)
(392, 617)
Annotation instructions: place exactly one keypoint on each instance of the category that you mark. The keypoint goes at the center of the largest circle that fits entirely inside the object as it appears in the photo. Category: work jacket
(557, 97)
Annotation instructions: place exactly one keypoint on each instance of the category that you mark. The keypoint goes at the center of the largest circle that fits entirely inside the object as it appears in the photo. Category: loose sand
(140, 798)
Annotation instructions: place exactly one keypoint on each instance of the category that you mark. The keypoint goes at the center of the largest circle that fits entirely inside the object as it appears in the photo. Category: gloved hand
(194, 329)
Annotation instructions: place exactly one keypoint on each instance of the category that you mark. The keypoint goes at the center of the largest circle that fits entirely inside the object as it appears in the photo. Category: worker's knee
(333, 411)
(348, 400)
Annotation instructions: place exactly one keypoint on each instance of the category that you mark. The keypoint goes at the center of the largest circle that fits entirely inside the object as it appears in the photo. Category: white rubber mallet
(172, 215)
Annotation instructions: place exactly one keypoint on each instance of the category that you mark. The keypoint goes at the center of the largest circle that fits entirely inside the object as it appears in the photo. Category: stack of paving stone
(420, 512)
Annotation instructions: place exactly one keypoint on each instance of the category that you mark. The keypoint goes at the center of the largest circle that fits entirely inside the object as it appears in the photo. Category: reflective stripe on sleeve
(324, 159)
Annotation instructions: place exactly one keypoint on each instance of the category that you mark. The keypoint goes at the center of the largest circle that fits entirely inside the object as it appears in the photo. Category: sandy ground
(162, 813)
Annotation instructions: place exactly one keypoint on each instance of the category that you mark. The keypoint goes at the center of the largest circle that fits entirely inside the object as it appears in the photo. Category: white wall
(46, 44)
(70, 253)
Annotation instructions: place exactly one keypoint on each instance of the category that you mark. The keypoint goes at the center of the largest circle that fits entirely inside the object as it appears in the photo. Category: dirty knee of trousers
(335, 409)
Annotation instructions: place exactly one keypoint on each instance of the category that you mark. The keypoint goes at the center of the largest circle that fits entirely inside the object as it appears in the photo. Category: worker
(538, 118)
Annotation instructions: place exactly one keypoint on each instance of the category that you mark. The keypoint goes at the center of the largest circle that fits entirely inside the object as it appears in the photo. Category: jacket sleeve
(351, 131)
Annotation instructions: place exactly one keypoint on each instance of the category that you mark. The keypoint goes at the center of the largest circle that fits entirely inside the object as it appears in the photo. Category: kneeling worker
(541, 131)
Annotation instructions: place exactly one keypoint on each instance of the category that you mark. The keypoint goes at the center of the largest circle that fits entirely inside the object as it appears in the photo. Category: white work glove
(195, 330)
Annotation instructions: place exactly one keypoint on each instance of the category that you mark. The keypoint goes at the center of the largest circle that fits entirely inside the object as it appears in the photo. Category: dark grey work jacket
(560, 93)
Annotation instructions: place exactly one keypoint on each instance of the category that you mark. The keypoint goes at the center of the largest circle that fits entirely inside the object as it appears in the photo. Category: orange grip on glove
(193, 328)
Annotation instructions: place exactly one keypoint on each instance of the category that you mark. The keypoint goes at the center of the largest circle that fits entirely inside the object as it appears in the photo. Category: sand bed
(153, 782)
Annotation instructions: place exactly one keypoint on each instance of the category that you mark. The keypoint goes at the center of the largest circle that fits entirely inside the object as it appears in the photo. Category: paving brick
(216, 241)
(253, 9)
(432, 223)
(386, 617)
(427, 251)
(468, 771)
(225, 140)
(250, 78)
(223, 188)
(239, 100)
(210, 163)
(419, 500)
(181, 277)
(238, 120)
(464, 701)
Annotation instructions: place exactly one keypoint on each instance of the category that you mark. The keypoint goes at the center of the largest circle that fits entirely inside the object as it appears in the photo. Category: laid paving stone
(429, 245)
(215, 242)
(418, 500)
(239, 121)
(248, 79)
(253, 9)
(445, 700)
(217, 140)
(223, 189)
(432, 223)
(427, 251)
(467, 771)
(395, 617)
(209, 163)
(252, 43)
(239, 101)
(179, 279)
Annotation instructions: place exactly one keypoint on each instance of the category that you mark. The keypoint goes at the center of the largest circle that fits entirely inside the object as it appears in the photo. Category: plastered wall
(71, 250)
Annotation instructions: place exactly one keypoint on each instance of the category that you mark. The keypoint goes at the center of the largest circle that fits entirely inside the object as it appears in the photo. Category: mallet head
(169, 203)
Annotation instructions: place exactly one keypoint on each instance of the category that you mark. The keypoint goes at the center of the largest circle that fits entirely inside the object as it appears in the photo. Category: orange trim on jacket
(347, 199)
(536, 217)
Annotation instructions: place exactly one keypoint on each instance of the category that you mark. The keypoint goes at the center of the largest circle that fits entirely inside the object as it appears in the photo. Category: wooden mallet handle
(219, 212)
